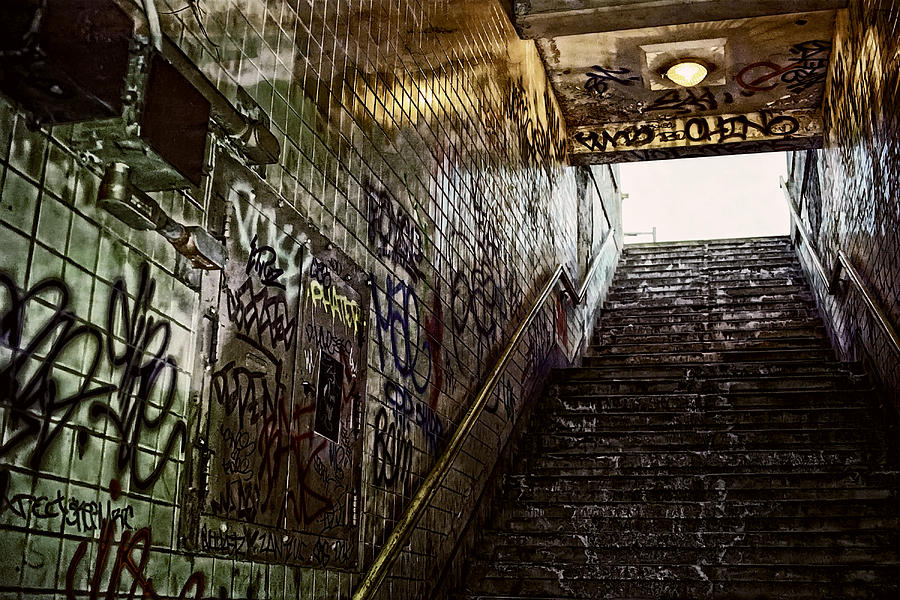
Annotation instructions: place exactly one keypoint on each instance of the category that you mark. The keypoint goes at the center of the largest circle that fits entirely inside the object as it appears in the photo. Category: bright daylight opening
(705, 198)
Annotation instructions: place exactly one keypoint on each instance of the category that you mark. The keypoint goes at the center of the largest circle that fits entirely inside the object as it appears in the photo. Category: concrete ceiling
(605, 59)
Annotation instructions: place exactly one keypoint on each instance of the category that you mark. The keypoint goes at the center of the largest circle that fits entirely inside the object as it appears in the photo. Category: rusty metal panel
(64, 60)
(285, 390)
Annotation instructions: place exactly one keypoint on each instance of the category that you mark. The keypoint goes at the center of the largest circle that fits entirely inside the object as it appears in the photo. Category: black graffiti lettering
(240, 499)
(248, 393)
(262, 315)
(685, 101)
(697, 130)
(630, 137)
(806, 69)
(139, 379)
(84, 516)
(504, 396)
(237, 450)
(37, 410)
(406, 409)
(391, 451)
(140, 365)
(319, 271)
(537, 147)
(671, 136)
(599, 78)
(393, 233)
(327, 341)
(264, 262)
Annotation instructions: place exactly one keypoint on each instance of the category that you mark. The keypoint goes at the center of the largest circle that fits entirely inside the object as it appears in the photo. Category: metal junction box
(78, 61)
(161, 132)
(64, 60)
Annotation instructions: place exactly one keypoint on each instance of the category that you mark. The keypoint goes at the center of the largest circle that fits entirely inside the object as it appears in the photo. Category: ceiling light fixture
(687, 73)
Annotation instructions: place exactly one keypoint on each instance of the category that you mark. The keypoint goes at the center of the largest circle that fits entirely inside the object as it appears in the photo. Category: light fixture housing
(687, 72)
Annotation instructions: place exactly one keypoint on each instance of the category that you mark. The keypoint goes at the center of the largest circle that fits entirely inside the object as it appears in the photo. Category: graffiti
(262, 315)
(562, 323)
(391, 451)
(252, 223)
(327, 341)
(335, 304)
(264, 262)
(401, 322)
(278, 444)
(713, 129)
(599, 78)
(237, 452)
(405, 407)
(806, 69)
(243, 541)
(434, 326)
(136, 345)
(125, 563)
(477, 297)
(503, 396)
(247, 392)
(685, 101)
(329, 396)
(393, 233)
(539, 144)
(634, 135)
(320, 273)
(66, 511)
(283, 463)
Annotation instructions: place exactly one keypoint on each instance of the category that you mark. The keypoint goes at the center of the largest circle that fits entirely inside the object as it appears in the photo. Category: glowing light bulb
(687, 73)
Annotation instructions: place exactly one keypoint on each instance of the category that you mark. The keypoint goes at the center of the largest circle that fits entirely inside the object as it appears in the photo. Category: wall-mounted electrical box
(78, 61)
(64, 60)
(161, 131)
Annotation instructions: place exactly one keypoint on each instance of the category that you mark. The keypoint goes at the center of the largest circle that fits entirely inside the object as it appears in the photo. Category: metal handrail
(416, 508)
(843, 263)
(798, 223)
(871, 304)
(579, 296)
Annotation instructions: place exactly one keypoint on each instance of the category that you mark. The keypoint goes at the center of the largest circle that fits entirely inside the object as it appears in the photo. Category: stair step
(747, 326)
(701, 263)
(711, 302)
(634, 276)
(646, 385)
(706, 314)
(691, 462)
(731, 486)
(846, 539)
(705, 291)
(753, 351)
(691, 402)
(668, 585)
(597, 420)
(696, 267)
(684, 334)
(698, 440)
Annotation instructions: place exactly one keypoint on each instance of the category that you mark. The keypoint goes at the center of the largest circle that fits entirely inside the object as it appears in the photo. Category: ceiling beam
(556, 20)
(696, 136)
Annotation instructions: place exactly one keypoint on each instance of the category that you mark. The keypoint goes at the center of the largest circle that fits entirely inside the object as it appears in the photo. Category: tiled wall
(169, 433)
(850, 196)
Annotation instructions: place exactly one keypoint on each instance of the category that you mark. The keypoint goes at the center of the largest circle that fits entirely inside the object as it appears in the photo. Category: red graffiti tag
(141, 586)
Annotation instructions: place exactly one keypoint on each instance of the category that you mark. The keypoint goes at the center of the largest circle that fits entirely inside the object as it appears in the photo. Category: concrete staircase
(710, 447)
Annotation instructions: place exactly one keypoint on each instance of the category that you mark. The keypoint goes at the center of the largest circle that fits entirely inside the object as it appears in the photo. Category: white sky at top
(705, 198)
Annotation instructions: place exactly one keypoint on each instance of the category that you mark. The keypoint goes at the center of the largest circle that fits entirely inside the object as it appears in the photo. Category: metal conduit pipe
(258, 144)
(153, 23)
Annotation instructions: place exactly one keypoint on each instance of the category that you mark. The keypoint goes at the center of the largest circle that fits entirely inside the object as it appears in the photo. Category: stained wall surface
(255, 432)
(848, 191)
